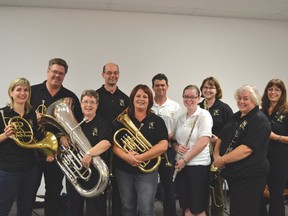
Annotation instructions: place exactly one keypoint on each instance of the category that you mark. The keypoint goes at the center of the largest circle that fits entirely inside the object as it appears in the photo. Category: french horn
(23, 135)
(130, 138)
(89, 182)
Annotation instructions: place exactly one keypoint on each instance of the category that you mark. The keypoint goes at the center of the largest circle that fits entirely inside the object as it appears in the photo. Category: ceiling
(251, 9)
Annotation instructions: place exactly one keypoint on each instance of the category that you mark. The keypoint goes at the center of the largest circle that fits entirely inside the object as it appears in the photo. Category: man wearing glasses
(48, 92)
(112, 102)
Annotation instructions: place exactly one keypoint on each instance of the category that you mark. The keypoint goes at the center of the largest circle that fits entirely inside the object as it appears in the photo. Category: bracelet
(183, 159)
(279, 138)
(88, 153)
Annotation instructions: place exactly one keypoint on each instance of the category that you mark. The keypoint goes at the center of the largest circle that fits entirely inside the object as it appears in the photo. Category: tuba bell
(130, 138)
(24, 136)
(89, 182)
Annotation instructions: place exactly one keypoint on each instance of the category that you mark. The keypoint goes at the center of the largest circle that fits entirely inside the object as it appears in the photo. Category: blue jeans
(23, 185)
(137, 192)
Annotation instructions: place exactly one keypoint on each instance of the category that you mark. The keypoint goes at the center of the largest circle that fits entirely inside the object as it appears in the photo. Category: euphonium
(24, 136)
(88, 182)
(213, 168)
(131, 139)
(167, 162)
(216, 183)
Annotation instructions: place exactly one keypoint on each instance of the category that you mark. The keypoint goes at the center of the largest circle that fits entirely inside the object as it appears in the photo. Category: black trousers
(95, 206)
(116, 207)
(53, 177)
(277, 181)
(116, 200)
(246, 195)
(168, 187)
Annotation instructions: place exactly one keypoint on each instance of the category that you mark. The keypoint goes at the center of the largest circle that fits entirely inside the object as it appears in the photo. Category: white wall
(186, 48)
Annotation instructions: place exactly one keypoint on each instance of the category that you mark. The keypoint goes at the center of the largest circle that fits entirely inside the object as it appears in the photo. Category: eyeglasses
(208, 88)
(109, 73)
(86, 102)
(54, 72)
(274, 89)
(186, 97)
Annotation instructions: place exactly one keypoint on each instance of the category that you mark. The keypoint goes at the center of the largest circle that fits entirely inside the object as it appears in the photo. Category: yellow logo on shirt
(95, 132)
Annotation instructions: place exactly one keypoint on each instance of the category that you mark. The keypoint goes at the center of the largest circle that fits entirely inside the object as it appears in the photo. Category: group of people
(191, 151)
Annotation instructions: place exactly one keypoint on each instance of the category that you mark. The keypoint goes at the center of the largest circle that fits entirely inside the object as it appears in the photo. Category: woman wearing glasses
(192, 135)
(274, 106)
(97, 131)
(221, 113)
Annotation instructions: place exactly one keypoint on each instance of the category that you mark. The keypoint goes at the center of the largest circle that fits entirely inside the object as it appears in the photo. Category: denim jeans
(23, 185)
(137, 192)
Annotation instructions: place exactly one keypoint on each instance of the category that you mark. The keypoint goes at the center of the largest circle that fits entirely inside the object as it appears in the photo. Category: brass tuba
(131, 139)
(88, 182)
(24, 136)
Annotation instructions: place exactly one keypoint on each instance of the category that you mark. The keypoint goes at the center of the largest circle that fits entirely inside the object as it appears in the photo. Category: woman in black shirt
(240, 153)
(99, 135)
(137, 189)
(19, 173)
(274, 106)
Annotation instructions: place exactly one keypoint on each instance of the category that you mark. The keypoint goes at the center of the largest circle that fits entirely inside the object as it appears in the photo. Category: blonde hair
(13, 85)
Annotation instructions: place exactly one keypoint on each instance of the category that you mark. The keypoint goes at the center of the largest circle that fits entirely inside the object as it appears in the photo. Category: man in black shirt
(112, 102)
(50, 91)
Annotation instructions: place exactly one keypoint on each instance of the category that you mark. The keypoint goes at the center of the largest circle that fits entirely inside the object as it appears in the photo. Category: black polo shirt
(279, 124)
(153, 128)
(40, 92)
(97, 130)
(111, 105)
(220, 113)
(256, 136)
(14, 158)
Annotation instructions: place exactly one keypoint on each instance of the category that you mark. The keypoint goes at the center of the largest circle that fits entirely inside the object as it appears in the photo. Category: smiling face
(20, 94)
(111, 74)
(245, 102)
(160, 88)
(191, 99)
(55, 76)
(209, 91)
(89, 106)
(274, 94)
(141, 100)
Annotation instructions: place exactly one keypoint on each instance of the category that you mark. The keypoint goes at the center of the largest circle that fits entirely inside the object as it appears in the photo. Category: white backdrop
(186, 48)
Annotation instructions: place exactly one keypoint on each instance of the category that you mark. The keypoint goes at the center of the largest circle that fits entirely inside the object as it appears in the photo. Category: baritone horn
(167, 162)
(216, 183)
(89, 182)
(23, 136)
(131, 139)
